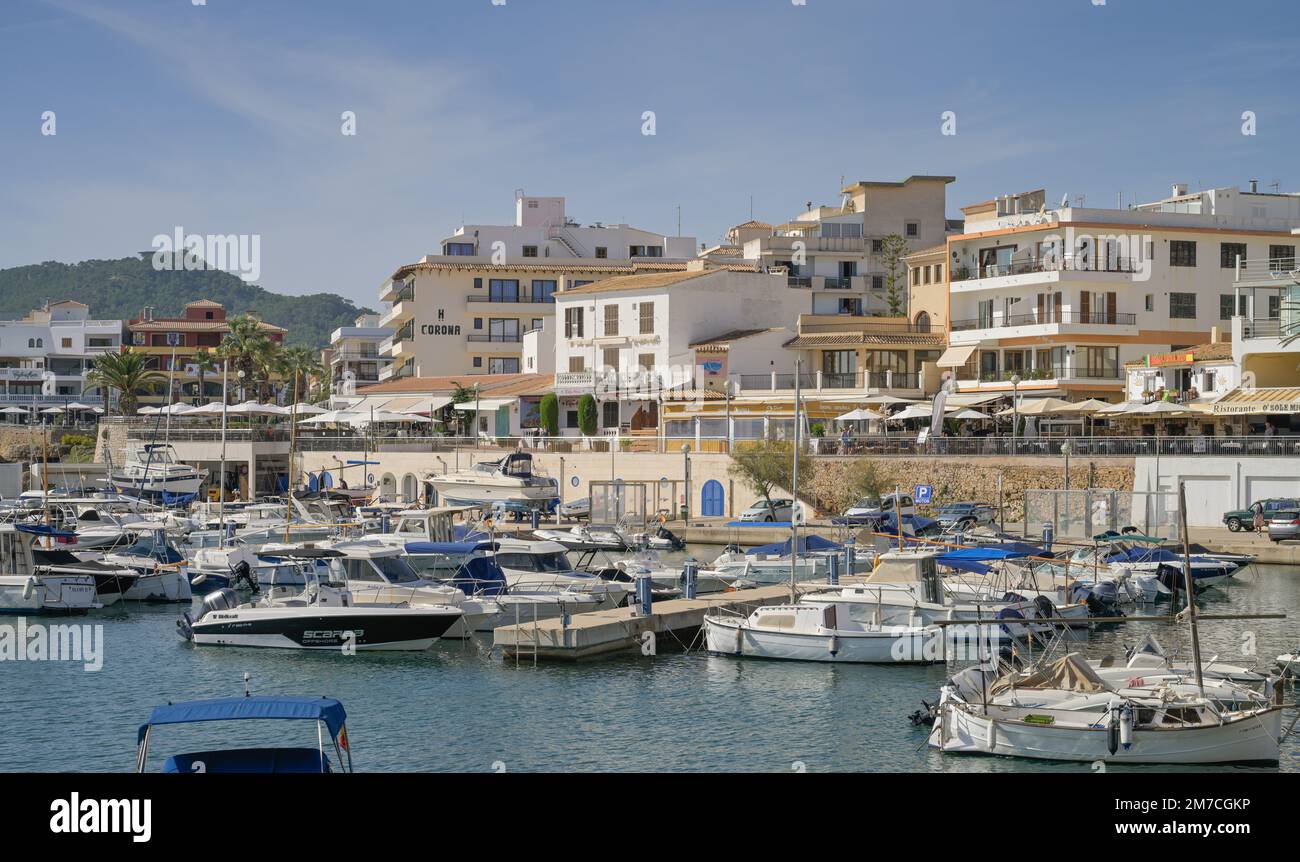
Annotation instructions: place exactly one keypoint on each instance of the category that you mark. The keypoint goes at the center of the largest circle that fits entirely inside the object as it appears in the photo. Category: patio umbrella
(333, 416)
(1158, 408)
(77, 405)
(1092, 405)
(1037, 407)
(178, 409)
(969, 413)
(252, 408)
(1121, 407)
(147, 411)
(388, 416)
(916, 411)
(859, 415)
(53, 410)
(304, 409)
(886, 399)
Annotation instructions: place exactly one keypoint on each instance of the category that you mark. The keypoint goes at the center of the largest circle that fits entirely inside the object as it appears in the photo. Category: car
(1284, 524)
(964, 516)
(871, 507)
(779, 510)
(1244, 519)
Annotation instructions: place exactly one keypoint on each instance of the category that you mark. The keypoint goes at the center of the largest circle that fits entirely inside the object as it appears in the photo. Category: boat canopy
(1112, 536)
(812, 542)
(974, 559)
(449, 548)
(325, 709)
(480, 576)
(43, 530)
(1069, 673)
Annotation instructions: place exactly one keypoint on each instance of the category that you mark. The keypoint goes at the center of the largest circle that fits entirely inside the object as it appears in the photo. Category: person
(844, 440)
(1269, 430)
(1257, 522)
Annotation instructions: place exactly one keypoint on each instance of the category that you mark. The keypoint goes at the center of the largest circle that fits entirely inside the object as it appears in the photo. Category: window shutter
(1085, 306)
(1110, 307)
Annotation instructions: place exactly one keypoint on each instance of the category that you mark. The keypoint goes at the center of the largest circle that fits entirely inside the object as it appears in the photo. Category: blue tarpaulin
(325, 709)
(974, 559)
(807, 543)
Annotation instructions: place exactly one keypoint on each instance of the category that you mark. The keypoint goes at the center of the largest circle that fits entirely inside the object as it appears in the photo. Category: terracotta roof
(723, 251)
(725, 339)
(535, 384)
(165, 324)
(753, 223)
(1215, 351)
(902, 339)
(979, 206)
(688, 391)
(446, 383)
(645, 281)
(203, 303)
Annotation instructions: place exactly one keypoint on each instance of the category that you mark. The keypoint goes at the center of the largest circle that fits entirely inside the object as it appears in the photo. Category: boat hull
(737, 638)
(335, 629)
(59, 594)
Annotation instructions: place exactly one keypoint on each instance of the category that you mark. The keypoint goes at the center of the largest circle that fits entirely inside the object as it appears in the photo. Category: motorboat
(112, 583)
(649, 562)
(532, 566)
(161, 567)
(237, 566)
(30, 587)
(322, 617)
(326, 713)
(1148, 657)
(152, 471)
(511, 479)
(1065, 710)
(765, 565)
(585, 537)
(826, 627)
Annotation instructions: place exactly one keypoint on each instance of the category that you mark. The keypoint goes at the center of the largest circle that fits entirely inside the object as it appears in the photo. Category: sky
(226, 117)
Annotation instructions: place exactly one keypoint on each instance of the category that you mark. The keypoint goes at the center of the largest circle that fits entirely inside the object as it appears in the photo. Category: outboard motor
(1044, 608)
(243, 575)
(219, 600)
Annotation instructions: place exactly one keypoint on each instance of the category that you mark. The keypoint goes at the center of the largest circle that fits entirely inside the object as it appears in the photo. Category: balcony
(857, 381)
(1091, 318)
(1050, 270)
(522, 299)
(498, 337)
(1049, 373)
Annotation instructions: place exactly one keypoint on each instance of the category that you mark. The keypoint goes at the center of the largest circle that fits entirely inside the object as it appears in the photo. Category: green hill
(121, 288)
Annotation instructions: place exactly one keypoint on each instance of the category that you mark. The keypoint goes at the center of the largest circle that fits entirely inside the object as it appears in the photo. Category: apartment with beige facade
(467, 309)
(1058, 301)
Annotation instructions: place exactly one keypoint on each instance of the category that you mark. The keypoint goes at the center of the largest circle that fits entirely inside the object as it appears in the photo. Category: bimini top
(449, 548)
(325, 709)
(43, 530)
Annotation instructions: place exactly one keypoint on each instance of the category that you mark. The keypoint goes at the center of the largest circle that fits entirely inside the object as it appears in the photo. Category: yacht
(152, 471)
(532, 566)
(31, 587)
(511, 480)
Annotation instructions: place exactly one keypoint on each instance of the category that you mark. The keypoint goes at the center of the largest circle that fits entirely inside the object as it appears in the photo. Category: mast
(794, 491)
(1187, 582)
(221, 479)
(293, 437)
(171, 382)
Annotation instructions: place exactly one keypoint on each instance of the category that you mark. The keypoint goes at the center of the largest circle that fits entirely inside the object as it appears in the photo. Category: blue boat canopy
(812, 542)
(325, 709)
(43, 530)
(449, 548)
(974, 559)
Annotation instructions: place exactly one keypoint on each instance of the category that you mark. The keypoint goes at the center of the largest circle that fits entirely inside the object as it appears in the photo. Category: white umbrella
(332, 416)
(969, 413)
(1092, 405)
(886, 399)
(147, 411)
(53, 410)
(178, 409)
(1157, 407)
(77, 405)
(386, 416)
(22, 410)
(860, 415)
(304, 409)
(212, 408)
(1121, 407)
(916, 411)
(1038, 407)
(252, 408)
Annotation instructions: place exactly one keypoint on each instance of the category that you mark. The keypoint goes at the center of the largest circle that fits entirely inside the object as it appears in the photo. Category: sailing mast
(1187, 583)
(794, 490)
(221, 475)
(293, 436)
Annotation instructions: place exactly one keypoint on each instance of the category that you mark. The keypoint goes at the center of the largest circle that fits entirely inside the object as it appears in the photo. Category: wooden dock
(674, 624)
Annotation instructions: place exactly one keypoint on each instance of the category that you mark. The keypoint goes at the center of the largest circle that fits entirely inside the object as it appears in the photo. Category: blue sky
(225, 118)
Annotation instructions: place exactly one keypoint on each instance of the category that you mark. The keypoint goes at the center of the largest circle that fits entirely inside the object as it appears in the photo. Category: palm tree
(127, 372)
(248, 348)
(297, 365)
(204, 361)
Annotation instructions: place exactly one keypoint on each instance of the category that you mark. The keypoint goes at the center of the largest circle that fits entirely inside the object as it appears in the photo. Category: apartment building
(44, 356)
(1058, 301)
(466, 310)
(1266, 339)
(354, 358)
(201, 326)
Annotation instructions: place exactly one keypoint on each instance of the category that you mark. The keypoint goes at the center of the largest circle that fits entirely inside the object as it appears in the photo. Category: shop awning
(485, 404)
(1241, 401)
(956, 357)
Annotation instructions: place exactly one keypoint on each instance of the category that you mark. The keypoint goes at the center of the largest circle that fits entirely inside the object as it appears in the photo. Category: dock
(674, 623)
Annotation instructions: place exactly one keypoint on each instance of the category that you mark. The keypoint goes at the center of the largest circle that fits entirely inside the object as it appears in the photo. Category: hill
(121, 288)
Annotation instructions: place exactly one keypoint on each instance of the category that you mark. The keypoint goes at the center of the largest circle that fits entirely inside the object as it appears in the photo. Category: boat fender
(833, 645)
(1126, 726)
(198, 579)
(740, 640)
(1112, 731)
(993, 734)
(29, 587)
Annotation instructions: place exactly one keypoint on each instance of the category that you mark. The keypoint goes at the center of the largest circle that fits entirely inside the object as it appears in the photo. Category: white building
(355, 359)
(45, 356)
(465, 310)
(1062, 299)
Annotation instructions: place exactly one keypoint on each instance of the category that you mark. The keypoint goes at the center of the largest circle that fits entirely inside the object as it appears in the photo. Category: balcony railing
(861, 380)
(504, 337)
(1095, 318)
(521, 298)
(1091, 263)
(1051, 372)
(838, 282)
(800, 281)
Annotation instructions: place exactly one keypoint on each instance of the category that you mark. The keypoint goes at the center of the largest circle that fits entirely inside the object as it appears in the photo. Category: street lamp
(1015, 411)
(686, 473)
(1065, 450)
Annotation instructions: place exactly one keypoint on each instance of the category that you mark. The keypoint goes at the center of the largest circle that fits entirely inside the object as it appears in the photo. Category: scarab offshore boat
(326, 712)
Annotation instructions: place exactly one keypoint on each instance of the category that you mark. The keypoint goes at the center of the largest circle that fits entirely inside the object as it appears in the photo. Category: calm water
(457, 707)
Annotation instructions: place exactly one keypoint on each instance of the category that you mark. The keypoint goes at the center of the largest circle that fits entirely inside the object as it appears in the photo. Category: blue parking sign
(923, 494)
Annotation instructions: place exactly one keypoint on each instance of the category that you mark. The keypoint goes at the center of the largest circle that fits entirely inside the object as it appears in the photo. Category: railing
(800, 281)
(1049, 264)
(502, 337)
(406, 333)
(838, 282)
(887, 326)
(1268, 327)
(406, 294)
(519, 298)
(1051, 372)
(831, 380)
(1095, 318)
(19, 400)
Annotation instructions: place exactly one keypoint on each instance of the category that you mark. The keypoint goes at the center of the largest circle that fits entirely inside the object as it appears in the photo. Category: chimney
(1254, 187)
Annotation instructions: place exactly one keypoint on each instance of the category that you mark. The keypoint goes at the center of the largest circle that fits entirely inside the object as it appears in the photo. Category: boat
(326, 712)
(322, 617)
(161, 567)
(237, 566)
(1067, 711)
(532, 566)
(28, 587)
(664, 576)
(112, 583)
(586, 537)
(510, 480)
(828, 627)
(152, 471)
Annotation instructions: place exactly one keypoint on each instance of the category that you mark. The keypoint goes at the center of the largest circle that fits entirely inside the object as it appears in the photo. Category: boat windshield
(396, 569)
(526, 562)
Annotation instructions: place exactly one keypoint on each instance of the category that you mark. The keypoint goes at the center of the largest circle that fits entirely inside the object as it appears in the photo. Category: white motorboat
(827, 627)
(649, 562)
(761, 568)
(322, 617)
(27, 587)
(543, 567)
(152, 471)
(1066, 711)
(162, 568)
(510, 480)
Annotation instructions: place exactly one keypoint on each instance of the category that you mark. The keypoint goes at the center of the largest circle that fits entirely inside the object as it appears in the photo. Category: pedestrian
(1257, 522)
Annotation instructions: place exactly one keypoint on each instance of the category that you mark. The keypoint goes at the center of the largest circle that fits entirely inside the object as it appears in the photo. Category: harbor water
(459, 707)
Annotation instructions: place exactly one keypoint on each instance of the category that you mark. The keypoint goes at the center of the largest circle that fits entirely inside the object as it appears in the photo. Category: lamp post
(1015, 411)
(1065, 450)
(686, 458)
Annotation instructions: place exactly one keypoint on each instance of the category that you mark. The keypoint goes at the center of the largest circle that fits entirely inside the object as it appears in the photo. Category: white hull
(25, 594)
(901, 645)
(765, 572)
(1252, 738)
(275, 641)
(153, 484)
(166, 586)
(471, 490)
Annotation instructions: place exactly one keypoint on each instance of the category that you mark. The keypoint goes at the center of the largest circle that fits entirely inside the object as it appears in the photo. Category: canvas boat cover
(1068, 673)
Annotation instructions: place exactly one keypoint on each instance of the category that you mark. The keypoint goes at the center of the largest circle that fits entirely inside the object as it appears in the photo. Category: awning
(485, 404)
(376, 402)
(1241, 401)
(956, 357)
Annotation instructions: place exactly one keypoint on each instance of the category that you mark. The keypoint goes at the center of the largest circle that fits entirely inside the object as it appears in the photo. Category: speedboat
(765, 565)
(152, 471)
(512, 479)
(543, 567)
(648, 562)
(322, 617)
(111, 582)
(325, 712)
(826, 627)
(585, 537)
(29, 587)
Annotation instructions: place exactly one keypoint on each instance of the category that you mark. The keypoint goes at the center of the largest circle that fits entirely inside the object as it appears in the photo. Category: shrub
(587, 421)
(549, 411)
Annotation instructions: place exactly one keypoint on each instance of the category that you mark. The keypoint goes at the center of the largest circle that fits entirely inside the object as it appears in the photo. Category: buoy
(993, 734)
(740, 640)
(198, 579)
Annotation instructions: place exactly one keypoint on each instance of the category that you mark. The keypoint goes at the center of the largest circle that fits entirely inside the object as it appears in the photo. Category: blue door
(712, 499)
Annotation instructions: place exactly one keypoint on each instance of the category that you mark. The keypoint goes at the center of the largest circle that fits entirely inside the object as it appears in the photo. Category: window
(938, 273)
(1149, 303)
(609, 357)
(1182, 252)
(577, 364)
(928, 274)
(543, 290)
(573, 323)
(503, 329)
(579, 283)
(647, 312)
(459, 249)
(911, 229)
(1281, 256)
(644, 251)
(478, 361)
(478, 284)
(611, 319)
(99, 342)
(1226, 306)
(478, 323)
(1098, 362)
(877, 246)
(645, 361)
(610, 413)
(887, 360)
(503, 290)
(66, 342)
(916, 276)
(1182, 306)
(877, 282)
(839, 368)
(530, 251)
(31, 343)
(1229, 252)
(601, 252)
(503, 365)
(537, 323)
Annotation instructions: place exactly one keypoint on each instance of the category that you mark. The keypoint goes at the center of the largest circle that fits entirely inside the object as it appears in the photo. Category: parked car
(576, 508)
(779, 510)
(871, 508)
(1284, 524)
(1244, 519)
(964, 516)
